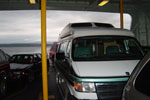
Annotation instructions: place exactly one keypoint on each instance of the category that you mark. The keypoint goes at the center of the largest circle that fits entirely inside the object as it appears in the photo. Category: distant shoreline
(23, 45)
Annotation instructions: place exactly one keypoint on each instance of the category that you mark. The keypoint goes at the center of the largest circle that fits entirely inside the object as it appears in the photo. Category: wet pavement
(53, 91)
(18, 90)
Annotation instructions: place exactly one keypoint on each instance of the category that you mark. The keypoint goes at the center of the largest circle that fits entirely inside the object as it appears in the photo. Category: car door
(138, 86)
(37, 64)
(4, 64)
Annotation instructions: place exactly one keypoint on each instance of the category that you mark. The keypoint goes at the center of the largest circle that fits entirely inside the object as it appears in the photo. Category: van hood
(19, 66)
(104, 68)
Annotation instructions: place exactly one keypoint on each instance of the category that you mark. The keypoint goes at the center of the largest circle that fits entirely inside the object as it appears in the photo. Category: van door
(63, 68)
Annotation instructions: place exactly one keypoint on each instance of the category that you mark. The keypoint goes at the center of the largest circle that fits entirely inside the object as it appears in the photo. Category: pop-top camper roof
(92, 28)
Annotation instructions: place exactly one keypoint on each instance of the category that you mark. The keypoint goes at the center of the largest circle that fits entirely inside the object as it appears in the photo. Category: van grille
(110, 91)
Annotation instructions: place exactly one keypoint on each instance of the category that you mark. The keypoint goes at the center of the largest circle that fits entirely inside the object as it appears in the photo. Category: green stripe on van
(99, 79)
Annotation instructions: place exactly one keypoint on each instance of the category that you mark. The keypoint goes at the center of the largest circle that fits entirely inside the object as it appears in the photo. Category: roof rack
(66, 31)
(90, 24)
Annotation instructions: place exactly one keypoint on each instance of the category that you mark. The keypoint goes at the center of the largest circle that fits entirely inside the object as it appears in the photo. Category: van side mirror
(60, 55)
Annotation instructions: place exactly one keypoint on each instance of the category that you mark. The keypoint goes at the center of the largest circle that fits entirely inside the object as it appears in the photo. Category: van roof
(74, 32)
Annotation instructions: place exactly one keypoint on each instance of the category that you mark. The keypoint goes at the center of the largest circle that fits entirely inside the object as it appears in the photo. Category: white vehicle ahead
(94, 61)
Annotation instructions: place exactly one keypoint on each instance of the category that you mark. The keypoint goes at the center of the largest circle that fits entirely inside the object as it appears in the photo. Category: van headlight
(84, 87)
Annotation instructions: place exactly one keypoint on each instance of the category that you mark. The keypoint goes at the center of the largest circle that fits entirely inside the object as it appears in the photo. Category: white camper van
(94, 61)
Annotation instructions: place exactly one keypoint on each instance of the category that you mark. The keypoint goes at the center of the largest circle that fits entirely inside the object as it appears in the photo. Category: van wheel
(3, 87)
(70, 97)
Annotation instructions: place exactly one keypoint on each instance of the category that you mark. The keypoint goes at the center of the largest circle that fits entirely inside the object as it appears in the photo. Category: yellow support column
(121, 14)
(44, 50)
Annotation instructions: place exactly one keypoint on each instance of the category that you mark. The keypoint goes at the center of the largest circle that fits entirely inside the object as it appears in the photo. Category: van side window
(130, 47)
(142, 82)
(63, 47)
(58, 48)
(68, 49)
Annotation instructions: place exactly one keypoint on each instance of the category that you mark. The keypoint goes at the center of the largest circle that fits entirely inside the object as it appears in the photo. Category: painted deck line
(51, 97)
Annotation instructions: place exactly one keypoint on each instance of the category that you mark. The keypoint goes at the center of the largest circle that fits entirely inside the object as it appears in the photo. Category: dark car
(25, 66)
(138, 86)
(4, 72)
(52, 53)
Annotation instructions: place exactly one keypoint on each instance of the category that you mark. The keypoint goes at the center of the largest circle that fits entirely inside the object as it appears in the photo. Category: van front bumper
(83, 95)
(87, 99)
(104, 91)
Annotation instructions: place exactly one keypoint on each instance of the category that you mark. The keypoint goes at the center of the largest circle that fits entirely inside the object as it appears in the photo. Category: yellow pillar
(44, 50)
(121, 14)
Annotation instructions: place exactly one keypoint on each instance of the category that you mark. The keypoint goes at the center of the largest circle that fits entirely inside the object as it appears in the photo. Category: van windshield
(106, 48)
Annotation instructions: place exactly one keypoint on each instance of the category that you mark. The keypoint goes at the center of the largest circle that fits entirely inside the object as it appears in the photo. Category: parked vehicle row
(24, 67)
(94, 61)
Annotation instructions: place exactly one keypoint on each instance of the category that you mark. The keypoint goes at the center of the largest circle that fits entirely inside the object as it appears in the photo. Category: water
(19, 50)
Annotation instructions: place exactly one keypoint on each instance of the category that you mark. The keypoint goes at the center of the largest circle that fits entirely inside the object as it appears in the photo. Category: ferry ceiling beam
(77, 5)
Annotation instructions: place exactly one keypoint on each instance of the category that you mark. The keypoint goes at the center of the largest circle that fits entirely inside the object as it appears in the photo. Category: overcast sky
(25, 26)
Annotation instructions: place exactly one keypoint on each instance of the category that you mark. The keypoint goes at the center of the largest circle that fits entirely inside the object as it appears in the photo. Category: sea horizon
(22, 44)
(22, 48)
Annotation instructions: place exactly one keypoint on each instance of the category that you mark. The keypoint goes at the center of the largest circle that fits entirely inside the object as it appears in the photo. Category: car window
(13, 59)
(36, 58)
(2, 57)
(27, 59)
(39, 56)
(22, 59)
(142, 82)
